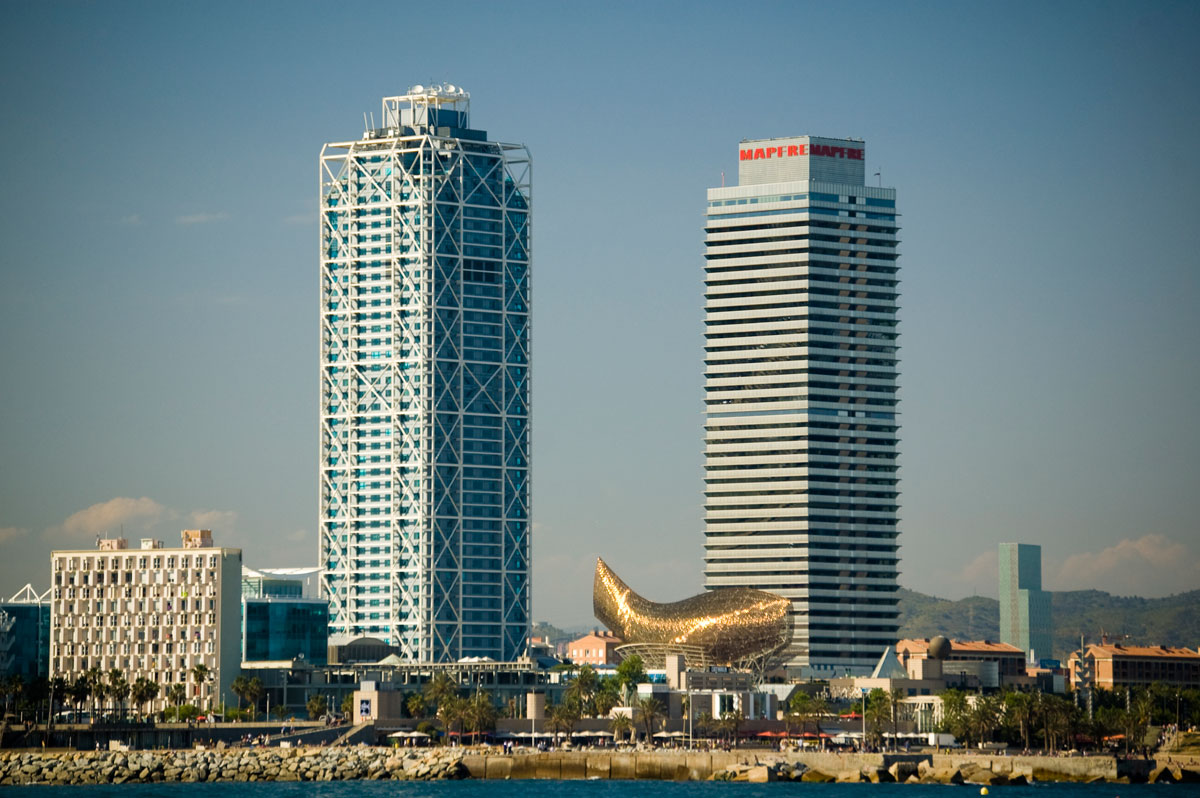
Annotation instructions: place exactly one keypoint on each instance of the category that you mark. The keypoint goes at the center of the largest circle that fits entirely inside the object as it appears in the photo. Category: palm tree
(118, 688)
(955, 714)
(79, 692)
(143, 692)
(452, 711)
(651, 710)
(704, 723)
(1018, 709)
(620, 726)
(254, 691)
(440, 689)
(877, 716)
(630, 673)
(583, 687)
(416, 705)
(731, 723)
(95, 683)
(317, 706)
(985, 717)
(564, 716)
(481, 713)
(176, 694)
(604, 701)
(895, 700)
(201, 675)
(240, 687)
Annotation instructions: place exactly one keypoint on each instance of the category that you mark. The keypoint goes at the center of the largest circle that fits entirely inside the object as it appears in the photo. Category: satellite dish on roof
(417, 89)
(451, 88)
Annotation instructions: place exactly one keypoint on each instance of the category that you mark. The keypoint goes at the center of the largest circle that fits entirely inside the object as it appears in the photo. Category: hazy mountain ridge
(1170, 621)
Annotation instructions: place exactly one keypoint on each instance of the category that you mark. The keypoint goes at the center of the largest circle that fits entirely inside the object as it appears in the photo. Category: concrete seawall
(378, 763)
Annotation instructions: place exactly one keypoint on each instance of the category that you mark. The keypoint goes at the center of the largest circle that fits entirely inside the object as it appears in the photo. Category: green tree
(254, 691)
(347, 705)
(143, 692)
(604, 702)
(317, 706)
(481, 713)
(956, 715)
(705, 723)
(80, 691)
(583, 688)
(621, 727)
(878, 714)
(241, 688)
(985, 717)
(731, 724)
(630, 673)
(439, 689)
(650, 710)
(201, 675)
(416, 705)
(96, 688)
(1019, 710)
(176, 694)
(452, 712)
(118, 689)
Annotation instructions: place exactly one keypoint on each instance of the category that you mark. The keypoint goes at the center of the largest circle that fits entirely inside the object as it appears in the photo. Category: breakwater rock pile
(247, 764)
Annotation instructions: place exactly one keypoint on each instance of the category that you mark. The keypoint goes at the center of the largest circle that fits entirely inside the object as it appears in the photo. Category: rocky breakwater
(246, 764)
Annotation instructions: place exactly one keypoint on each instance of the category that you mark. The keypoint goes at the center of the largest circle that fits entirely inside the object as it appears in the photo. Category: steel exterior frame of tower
(801, 489)
(424, 432)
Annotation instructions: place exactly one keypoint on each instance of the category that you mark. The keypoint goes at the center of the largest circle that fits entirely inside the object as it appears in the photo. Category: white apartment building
(152, 612)
(801, 490)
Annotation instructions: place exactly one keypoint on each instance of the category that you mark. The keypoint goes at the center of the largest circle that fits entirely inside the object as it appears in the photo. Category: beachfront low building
(1113, 666)
(170, 615)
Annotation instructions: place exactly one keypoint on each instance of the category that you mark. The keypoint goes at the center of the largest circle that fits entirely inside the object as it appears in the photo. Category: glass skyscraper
(801, 490)
(1024, 606)
(424, 436)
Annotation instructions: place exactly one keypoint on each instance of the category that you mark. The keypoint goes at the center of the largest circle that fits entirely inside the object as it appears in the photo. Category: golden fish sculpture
(726, 626)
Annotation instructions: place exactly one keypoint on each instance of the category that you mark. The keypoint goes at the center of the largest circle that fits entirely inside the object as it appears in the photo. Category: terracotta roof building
(1113, 665)
(596, 648)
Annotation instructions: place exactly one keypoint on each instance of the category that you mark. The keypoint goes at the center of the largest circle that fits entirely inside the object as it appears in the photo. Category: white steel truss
(412, 214)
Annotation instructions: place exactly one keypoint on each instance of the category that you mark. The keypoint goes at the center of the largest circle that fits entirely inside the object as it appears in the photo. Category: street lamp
(864, 718)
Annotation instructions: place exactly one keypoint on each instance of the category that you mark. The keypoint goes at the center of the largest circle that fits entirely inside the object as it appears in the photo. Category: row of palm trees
(1060, 722)
(98, 691)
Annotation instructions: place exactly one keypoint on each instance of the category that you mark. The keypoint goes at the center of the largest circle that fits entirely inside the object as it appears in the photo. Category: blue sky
(159, 309)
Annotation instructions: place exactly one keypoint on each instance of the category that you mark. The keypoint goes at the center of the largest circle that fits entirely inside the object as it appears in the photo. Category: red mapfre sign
(792, 150)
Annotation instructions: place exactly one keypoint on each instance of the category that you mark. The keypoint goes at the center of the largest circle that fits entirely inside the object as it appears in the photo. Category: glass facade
(424, 464)
(1024, 606)
(285, 629)
(24, 640)
(801, 353)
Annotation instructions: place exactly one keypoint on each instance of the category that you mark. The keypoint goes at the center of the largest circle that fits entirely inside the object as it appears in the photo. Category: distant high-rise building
(1024, 606)
(424, 418)
(801, 491)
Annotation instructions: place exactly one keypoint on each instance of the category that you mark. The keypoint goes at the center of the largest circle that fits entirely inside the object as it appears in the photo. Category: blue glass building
(424, 431)
(24, 640)
(285, 628)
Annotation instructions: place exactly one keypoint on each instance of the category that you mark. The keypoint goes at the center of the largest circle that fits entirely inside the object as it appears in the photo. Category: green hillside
(1170, 621)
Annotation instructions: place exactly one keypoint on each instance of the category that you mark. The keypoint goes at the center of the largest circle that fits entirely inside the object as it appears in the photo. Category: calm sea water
(592, 789)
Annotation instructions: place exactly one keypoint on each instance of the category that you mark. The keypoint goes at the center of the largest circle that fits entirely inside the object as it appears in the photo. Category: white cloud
(201, 218)
(11, 533)
(132, 219)
(107, 517)
(213, 519)
(1152, 565)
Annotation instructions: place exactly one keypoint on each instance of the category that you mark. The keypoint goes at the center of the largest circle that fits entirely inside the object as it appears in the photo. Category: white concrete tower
(801, 347)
